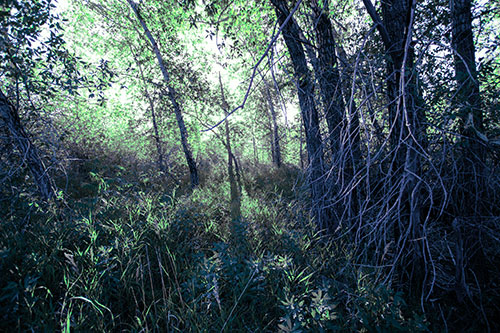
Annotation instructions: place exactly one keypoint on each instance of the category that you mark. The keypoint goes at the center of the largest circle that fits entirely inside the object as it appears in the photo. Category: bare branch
(254, 70)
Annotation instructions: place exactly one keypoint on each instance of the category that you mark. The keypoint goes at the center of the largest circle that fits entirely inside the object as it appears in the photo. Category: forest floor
(119, 252)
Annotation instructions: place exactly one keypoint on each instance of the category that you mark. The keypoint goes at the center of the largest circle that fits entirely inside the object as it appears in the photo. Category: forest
(249, 165)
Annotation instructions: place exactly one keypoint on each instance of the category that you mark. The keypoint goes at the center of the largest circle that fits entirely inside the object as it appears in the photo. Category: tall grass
(118, 253)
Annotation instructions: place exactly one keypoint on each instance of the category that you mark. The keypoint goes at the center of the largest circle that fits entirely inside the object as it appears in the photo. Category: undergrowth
(117, 252)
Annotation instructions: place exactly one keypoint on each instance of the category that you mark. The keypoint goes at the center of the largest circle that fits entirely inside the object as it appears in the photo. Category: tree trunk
(276, 150)
(322, 212)
(193, 171)
(10, 117)
(405, 172)
(465, 65)
(235, 189)
(328, 76)
(343, 127)
(156, 135)
(468, 100)
(406, 130)
(352, 155)
(301, 145)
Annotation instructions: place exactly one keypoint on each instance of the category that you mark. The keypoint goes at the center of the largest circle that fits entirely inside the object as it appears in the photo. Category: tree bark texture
(403, 186)
(193, 171)
(328, 76)
(320, 195)
(465, 63)
(352, 158)
(10, 117)
(396, 30)
(343, 127)
(469, 102)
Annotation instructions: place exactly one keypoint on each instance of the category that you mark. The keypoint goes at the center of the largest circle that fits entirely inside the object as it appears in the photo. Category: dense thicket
(249, 165)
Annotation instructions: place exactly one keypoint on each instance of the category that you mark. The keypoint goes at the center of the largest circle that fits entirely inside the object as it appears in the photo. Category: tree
(31, 67)
(327, 74)
(468, 100)
(231, 162)
(273, 122)
(275, 138)
(149, 97)
(10, 117)
(193, 170)
(405, 177)
(322, 210)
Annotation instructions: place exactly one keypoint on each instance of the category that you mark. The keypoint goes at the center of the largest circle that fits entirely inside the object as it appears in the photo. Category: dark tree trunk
(469, 198)
(403, 185)
(343, 127)
(352, 161)
(406, 128)
(10, 117)
(271, 139)
(327, 74)
(396, 32)
(273, 124)
(193, 171)
(161, 165)
(465, 64)
(468, 100)
(301, 145)
(235, 207)
(322, 211)
(275, 139)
